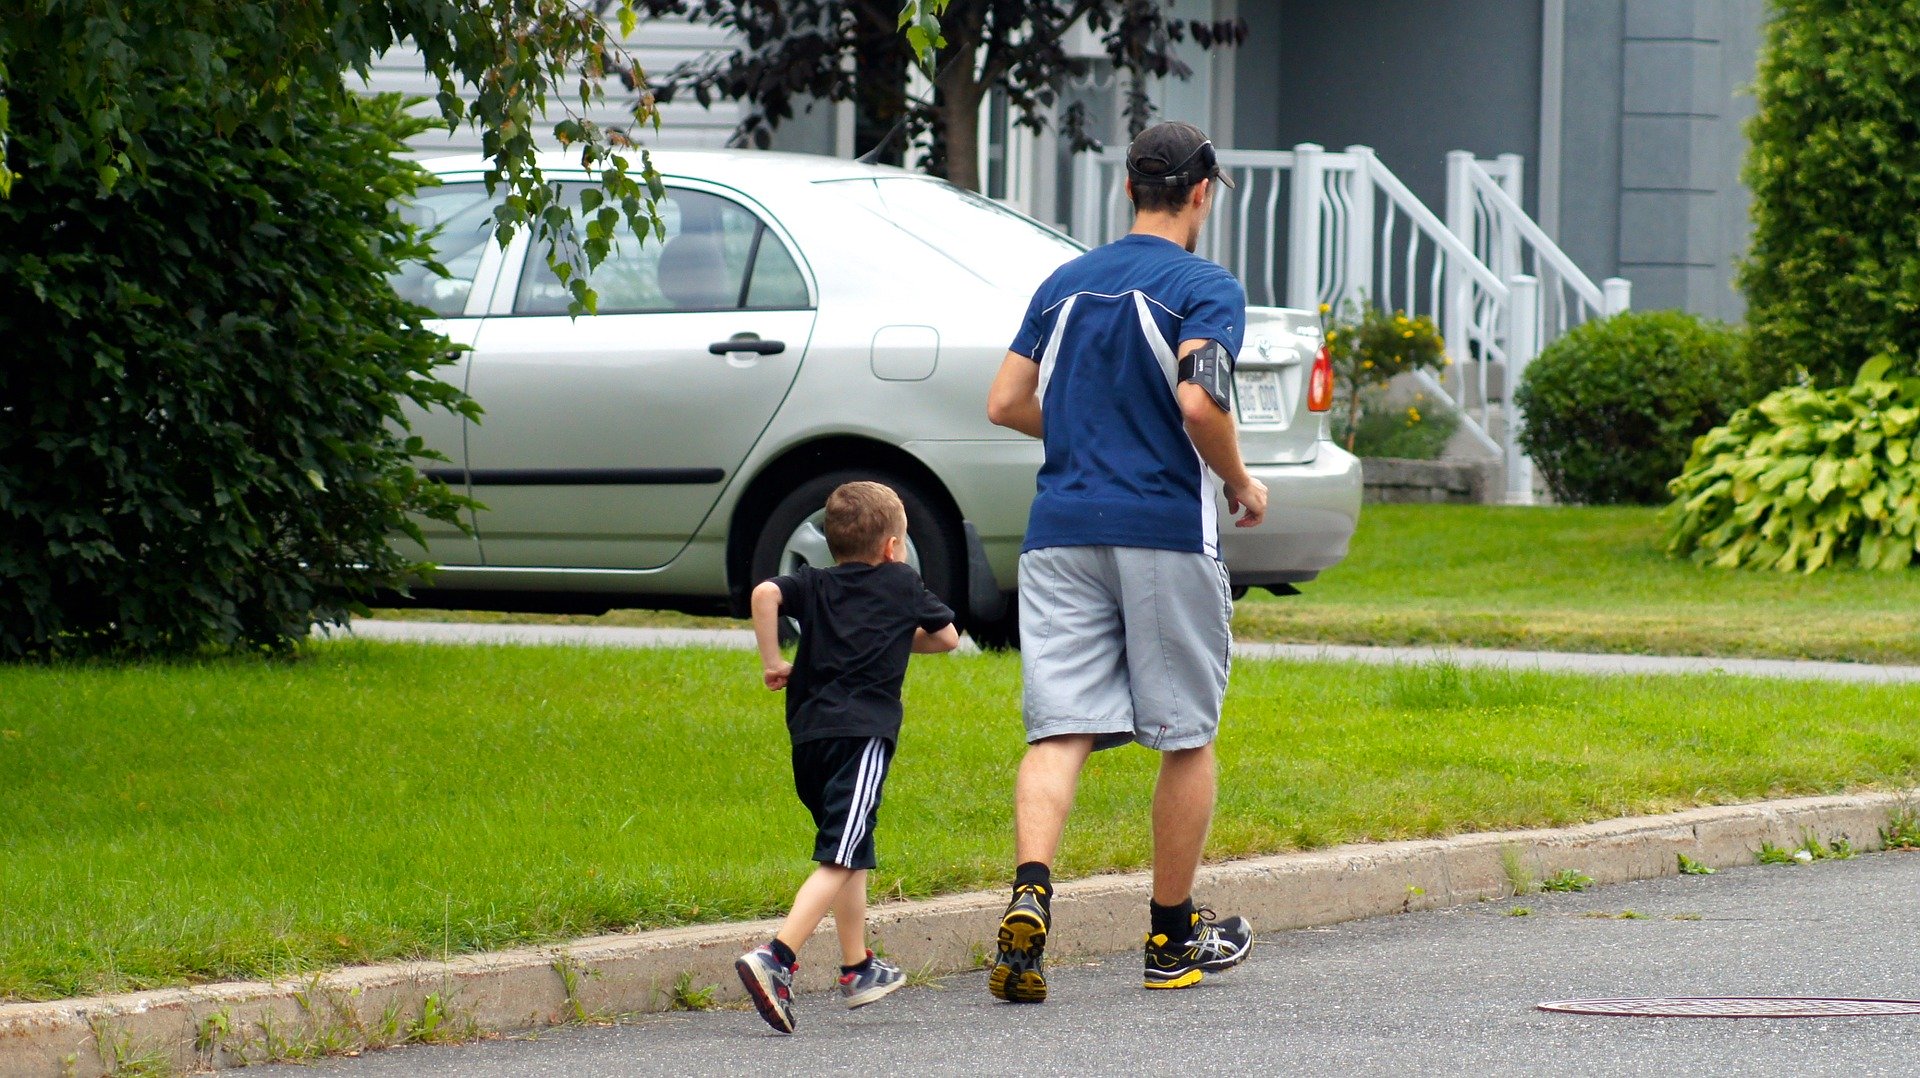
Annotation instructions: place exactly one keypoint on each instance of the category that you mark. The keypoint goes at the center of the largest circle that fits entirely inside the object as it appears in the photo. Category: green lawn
(167, 824)
(1579, 579)
(1554, 578)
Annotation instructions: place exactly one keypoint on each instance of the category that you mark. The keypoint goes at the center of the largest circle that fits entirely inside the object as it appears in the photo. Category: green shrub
(1613, 407)
(1418, 431)
(199, 426)
(1807, 478)
(1832, 275)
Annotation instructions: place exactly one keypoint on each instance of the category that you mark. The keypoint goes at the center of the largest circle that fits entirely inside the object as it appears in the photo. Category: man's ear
(1201, 191)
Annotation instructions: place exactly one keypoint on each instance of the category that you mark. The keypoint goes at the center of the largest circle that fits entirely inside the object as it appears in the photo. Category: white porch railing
(1496, 286)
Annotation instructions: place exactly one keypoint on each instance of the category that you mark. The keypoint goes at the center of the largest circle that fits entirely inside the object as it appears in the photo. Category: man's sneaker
(770, 983)
(879, 978)
(1016, 975)
(1209, 946)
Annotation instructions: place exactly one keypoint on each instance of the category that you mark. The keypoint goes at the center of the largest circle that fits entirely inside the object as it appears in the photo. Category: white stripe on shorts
(865, 789)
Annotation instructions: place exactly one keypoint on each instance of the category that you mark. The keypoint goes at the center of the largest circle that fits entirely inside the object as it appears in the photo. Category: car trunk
(1270, 387)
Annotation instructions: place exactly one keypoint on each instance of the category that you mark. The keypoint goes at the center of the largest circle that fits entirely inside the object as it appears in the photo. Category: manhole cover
(1734, 1007)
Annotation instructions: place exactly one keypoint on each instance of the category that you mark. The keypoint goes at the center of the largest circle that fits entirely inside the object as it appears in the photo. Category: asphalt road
(1446, 992)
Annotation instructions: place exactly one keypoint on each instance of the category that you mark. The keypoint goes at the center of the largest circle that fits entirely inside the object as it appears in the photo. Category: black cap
(1173, 154)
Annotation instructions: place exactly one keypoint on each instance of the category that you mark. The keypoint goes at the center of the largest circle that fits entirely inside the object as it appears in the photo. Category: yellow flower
(1366, 364)
(1413, 415)
(1331, 334)
(1325, 307)
(1407, 334)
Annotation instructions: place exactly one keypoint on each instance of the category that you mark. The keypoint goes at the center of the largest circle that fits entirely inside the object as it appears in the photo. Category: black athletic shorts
(839, 780)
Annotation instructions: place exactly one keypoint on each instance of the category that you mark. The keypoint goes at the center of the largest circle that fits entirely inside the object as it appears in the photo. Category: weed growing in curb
(123, 1059)
(572, 972)
(1520, 911)
(924, 977)
(438, 1025)
(1902, 831)
(1519, 876)
(685, 996)
(1567, 879)
(1809, 850)
(1690, 867)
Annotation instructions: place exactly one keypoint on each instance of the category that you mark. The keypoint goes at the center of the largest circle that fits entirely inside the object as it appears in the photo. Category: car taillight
(1320, 382)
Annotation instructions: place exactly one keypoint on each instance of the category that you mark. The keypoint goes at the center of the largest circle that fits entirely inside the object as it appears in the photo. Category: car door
(608, 438)
(461, 212)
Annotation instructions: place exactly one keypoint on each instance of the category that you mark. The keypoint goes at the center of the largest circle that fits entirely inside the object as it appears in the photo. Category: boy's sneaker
(868, 985)
(1017, 976)
(770, 982)
(1209, 946)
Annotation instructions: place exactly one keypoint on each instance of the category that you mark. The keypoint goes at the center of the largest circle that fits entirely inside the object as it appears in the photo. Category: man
(1122, 368)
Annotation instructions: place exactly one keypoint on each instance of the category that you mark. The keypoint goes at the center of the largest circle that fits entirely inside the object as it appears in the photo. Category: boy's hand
(777, 675)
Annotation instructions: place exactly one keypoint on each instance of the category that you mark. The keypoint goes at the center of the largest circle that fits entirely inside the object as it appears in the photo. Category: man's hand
(777, 675)
(1251, 496)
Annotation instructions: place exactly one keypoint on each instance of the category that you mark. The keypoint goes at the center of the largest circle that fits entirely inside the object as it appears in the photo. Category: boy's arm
(926, 643)
(774, 667)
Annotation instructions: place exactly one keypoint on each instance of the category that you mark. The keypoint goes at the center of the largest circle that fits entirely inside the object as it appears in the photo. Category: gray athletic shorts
(1125, 643)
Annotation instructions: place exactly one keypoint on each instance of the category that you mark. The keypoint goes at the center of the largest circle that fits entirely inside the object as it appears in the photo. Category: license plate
(1258, 395)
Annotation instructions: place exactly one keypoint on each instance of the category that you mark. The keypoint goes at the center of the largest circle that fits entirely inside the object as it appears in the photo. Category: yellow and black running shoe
(1210, 946)
(1017, 976)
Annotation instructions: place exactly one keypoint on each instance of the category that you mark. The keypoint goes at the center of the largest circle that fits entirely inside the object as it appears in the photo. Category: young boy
(858, 620)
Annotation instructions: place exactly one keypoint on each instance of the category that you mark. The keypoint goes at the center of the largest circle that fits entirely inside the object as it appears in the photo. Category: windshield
(984, 237)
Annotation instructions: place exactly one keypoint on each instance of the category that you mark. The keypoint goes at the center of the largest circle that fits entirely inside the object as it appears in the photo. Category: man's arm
(774, 667)
(1014, 400)
(1214, 435)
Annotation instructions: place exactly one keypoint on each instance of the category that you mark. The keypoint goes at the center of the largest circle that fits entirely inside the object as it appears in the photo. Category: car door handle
(747, 343)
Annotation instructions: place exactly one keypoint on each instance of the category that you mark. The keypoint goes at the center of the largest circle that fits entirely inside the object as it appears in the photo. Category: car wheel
(1003, 632)
(793, 535)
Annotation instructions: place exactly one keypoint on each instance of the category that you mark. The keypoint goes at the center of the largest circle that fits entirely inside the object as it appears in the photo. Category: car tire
(934, 537)
(1002, 633)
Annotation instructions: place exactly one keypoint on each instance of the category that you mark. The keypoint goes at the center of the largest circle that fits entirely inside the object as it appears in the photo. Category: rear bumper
(1314, 509)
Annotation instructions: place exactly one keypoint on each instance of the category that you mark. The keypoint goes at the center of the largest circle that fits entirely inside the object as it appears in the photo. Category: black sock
(861, 966)
(1037, 874)
(1173, 922)
(784, 953)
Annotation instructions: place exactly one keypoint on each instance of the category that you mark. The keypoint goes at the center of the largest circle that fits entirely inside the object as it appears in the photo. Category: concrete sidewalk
(1569, 662)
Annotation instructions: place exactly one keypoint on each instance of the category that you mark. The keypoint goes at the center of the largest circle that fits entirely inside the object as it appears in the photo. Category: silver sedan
(805, 322)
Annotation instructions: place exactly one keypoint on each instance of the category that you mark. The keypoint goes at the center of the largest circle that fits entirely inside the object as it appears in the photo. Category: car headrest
(693, 272)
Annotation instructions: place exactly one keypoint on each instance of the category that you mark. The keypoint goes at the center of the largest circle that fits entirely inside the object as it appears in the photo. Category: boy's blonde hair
(860, 516)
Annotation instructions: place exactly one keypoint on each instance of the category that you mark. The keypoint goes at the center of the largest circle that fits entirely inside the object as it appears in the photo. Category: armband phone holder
(1209, 368)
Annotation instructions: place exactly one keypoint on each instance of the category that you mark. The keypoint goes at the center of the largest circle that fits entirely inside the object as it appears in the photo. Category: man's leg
(850, 918)
(1043, 795)
(1182, 812)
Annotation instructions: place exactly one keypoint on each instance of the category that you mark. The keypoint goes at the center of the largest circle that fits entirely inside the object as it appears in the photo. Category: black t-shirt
(856, 634)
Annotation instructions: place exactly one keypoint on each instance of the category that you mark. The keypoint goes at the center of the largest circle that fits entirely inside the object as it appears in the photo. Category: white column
(1359, 253)
(1303, 228)
(1616, 294)
(1456, 312)
(1523, 342)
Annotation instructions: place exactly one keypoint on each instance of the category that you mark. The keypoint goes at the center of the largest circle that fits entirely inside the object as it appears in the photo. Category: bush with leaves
(1613, 407)
(1416, 428)
(1368, 348)
(1807, 478)
(199, 432)
(1832, 277)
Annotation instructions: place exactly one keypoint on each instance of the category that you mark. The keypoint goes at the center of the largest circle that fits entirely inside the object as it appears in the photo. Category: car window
(978, 233)
(463, 215)
(716, 256)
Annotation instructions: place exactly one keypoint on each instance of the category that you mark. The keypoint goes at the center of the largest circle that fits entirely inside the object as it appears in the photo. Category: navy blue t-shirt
(1105, 329)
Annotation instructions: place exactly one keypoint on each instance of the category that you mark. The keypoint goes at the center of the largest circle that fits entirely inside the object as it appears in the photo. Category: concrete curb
(222, 1025)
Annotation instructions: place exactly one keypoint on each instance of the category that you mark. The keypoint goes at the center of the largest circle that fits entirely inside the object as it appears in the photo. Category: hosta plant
(1807, 478)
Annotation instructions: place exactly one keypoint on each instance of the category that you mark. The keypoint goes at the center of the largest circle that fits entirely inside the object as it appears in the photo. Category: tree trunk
(959, 106)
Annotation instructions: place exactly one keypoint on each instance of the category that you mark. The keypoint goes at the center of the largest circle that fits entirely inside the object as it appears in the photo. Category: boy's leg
(820, 893)
(850, 918)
